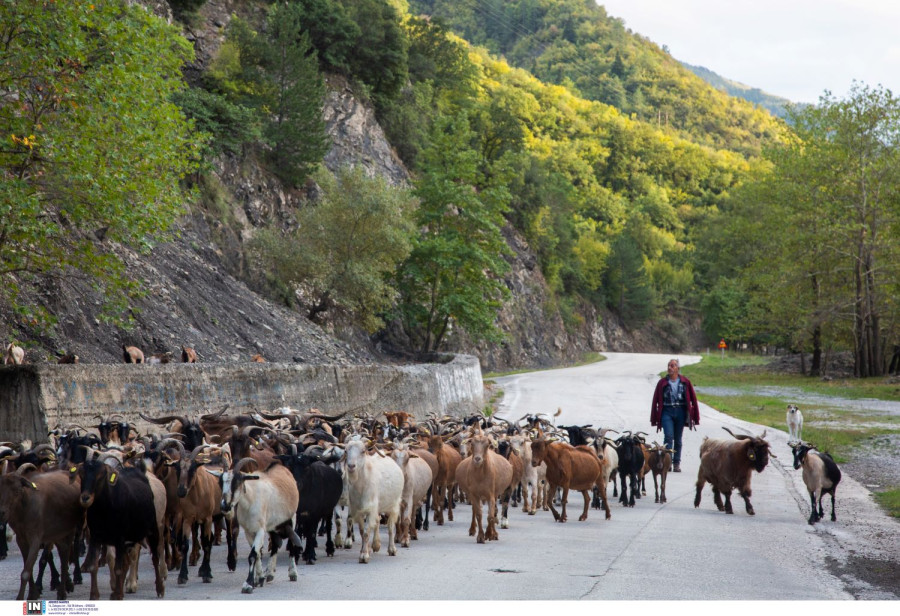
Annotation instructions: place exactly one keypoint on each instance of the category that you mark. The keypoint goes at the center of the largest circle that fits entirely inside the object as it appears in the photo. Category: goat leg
(746, 496)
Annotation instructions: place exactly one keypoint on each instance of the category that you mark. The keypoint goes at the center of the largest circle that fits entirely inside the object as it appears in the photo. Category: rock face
(358, 139)
(536, 335)
(196, 297)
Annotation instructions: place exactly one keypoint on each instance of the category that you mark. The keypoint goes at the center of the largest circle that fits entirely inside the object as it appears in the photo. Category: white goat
(264, 502)
(795, 423)
(15, 355)
(374, 486)
(417, 479)
(534, 479)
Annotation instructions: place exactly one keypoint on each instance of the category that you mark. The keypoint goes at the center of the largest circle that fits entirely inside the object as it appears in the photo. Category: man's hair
(675, 359)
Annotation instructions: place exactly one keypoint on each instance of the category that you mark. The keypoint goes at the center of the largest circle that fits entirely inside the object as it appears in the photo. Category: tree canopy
(93, 146)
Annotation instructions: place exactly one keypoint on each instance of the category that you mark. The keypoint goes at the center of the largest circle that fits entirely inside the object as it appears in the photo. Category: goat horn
(739, 437)
(42, 447)
(215, 415)
(28, 466)
(238, 468)
(165, 444)
(197, 450)
(160, 421)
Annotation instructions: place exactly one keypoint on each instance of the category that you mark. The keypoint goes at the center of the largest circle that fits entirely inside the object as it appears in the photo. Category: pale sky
(796, 49)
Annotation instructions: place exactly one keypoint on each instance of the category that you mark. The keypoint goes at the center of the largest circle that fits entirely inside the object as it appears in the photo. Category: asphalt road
(651, 551)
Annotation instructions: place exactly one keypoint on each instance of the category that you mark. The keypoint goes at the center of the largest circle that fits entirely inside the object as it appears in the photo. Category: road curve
(651, 551)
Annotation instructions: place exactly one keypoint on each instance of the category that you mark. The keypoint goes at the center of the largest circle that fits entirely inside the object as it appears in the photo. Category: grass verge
(830, 428)
(890, 501)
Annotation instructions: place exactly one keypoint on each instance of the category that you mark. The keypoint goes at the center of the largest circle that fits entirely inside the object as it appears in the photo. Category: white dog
(794, 422)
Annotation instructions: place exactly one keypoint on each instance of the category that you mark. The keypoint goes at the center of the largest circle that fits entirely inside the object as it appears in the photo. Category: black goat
(631, 461)
(120, 514)
(319, 487)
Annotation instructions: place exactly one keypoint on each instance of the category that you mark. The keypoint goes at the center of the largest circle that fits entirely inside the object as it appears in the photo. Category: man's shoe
(677, 468)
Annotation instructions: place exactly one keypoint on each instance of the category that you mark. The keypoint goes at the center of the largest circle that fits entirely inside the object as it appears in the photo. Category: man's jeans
(673, 425)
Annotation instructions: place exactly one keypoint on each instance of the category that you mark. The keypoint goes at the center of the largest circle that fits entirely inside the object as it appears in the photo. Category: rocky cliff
(196, 296)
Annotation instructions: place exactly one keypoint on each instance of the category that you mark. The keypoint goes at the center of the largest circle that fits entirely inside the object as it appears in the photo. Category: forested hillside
(776, 105)
(633, 182)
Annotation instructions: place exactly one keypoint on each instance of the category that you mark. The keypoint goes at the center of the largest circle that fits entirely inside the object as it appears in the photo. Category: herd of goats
(289, 475)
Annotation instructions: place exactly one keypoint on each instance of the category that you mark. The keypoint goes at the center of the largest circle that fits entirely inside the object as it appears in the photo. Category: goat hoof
(207, 579)
(246, 589)
(392, 551)
(364, 559)
(269, 578)
(292, 577)
(182, 581)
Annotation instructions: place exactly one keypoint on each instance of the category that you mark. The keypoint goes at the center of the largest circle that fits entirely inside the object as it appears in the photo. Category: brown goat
(659, 461)
(42, 509)
(570, 468)
(188, 355)
(484, 476)
(729, 465)
(132, 355)
(448, 460)
(68, 358)
(259, 359)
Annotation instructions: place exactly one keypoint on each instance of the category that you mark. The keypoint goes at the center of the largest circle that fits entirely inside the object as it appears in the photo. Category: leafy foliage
(815, 239)
(277, 73)
(451, 278)
(94, 148)
(575, 43)
(345, 248)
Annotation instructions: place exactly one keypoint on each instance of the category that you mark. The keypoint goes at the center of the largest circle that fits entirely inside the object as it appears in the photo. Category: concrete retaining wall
(33, 397)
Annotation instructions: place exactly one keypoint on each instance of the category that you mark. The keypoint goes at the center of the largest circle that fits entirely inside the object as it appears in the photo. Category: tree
(627, 284)
(345, 249)
(452, 275)
(379, 56)
(823, 229)
(94, 148)
(282, 70)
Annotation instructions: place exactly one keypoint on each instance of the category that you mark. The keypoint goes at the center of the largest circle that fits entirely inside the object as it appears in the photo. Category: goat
(42, 509)
(417, 477)
(259, 359)
(505, 449)
(660, 460)
(569, 468)
(120, 513)
(15, 355)
(448, 460)
(199, 498)
(374, 487)
(160, 358)
(68, 358)
(263, 502)
(319, 487)
(534, 478)
(727, 465)
(631, 461)
(795, 423)
(132, 355)
(483, 476)
(188, 355)
(821, 476)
